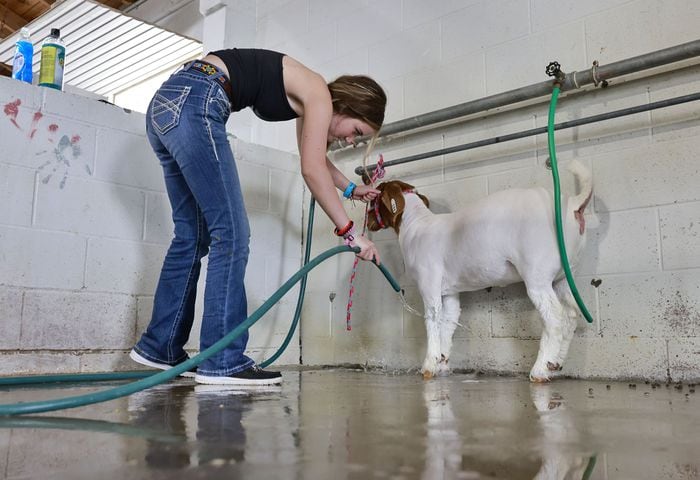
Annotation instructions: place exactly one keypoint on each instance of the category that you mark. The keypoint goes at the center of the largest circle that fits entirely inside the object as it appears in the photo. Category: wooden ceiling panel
(14, 14)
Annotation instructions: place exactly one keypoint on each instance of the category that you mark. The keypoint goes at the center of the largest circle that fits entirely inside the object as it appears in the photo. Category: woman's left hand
(365, 193)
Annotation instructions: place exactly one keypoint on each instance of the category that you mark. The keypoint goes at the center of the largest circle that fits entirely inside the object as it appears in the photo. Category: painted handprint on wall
(64, 156)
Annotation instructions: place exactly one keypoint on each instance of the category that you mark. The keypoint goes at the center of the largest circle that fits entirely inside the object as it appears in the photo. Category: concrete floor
(348, 424)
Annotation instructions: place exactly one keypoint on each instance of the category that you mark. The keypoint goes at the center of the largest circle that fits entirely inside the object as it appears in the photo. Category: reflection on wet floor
(347, 424)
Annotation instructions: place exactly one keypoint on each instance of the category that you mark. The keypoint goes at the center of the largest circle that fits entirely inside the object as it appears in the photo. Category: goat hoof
(554, 367)
(427, 375)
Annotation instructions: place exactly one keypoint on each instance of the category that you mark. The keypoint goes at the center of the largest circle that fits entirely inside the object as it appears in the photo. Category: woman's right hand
(368, 250)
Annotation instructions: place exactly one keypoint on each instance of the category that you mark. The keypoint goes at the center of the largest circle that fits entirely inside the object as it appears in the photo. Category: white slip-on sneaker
(138, 358)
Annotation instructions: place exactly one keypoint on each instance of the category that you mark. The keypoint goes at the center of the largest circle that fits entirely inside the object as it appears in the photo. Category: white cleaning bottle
(24, 53)
(53, 59)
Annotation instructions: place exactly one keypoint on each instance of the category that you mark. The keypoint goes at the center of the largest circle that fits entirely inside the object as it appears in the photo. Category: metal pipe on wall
(537, 131)
(572, 81)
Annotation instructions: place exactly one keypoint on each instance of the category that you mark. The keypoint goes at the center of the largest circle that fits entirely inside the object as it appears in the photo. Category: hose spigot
(554, 70)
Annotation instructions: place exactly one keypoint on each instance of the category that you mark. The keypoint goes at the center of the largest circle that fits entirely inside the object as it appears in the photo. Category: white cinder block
(680, 120)
(354, 62)
(664, 305)
(159, 224)
(493, 158)
(453, 196)
(315, 47)
(323, 12)
(123, 267)
(127, 159)
(11, 90)
(255, 183)
(277, 272)
(545, 14)
(144, 310)
(640, 27)
(41, 259)
(513, 314)
(494, 354)
(618, 358)
(255, 279)
(365, 27)
(680, 236)
(535, 177)
(656, 174)
(68, 105)
(419, 173)
(10, 317)
(284, 23)
(264, 156)
(483, 25)
(72, 320)
(101, 361)
(316, 318)
(522, 62)
(286, 194)
(16, 195)
(271, 330)
(395, 108)
(414, 49)
(622, 242)
(29, 363)
(416, 12)
(684, 357)
(93, 208)
(457, 82)
(273, 236)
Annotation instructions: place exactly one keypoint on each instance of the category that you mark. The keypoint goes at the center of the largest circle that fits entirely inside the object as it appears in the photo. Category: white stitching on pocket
(165, 112)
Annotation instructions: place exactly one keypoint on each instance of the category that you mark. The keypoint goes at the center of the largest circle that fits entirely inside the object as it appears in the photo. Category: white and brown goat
(504, 238)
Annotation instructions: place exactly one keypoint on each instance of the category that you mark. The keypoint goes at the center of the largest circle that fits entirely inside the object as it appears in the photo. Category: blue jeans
(185, 124)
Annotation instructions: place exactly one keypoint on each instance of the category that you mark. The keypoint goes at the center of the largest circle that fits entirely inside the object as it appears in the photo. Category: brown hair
(360, 97)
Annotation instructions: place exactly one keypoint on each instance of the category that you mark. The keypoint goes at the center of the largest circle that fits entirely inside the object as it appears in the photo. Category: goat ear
(393, 202)
(404, 186)
(425, 199)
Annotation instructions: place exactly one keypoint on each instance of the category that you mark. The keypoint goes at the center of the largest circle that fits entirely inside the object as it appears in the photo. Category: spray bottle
(53, 58)
(24, 53)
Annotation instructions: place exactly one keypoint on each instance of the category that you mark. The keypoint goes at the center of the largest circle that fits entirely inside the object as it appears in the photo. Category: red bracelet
(344, 230)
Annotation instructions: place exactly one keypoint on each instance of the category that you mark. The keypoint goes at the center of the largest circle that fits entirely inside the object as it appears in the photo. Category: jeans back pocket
(166, 107)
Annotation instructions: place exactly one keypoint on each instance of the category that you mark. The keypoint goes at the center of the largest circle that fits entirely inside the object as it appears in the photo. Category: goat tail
(585, 181)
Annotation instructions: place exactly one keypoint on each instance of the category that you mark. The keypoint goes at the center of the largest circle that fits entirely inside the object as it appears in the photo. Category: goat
(504, 238)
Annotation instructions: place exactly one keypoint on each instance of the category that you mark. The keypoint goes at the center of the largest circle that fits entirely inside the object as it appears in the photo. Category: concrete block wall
(643, 222)
(85, 223)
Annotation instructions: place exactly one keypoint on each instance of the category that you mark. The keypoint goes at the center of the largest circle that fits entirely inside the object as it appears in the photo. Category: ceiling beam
(10, 20)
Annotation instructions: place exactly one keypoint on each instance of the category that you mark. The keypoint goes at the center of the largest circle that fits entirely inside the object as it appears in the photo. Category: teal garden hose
(557, 205)
(158, 378)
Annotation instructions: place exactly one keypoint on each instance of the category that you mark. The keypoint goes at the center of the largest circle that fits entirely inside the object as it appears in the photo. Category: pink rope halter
(377, 174)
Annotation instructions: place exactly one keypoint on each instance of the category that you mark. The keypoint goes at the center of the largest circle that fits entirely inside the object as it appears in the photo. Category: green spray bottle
(53, 59)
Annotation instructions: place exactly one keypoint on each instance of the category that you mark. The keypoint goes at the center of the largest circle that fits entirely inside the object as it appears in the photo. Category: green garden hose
(302, 289)
(557, 205)
(158, 378)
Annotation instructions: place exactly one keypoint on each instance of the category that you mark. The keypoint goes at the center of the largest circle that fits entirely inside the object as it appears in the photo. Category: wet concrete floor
(348, 424)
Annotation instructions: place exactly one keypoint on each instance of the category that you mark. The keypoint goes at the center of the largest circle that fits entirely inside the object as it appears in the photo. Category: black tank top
(257, 82)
